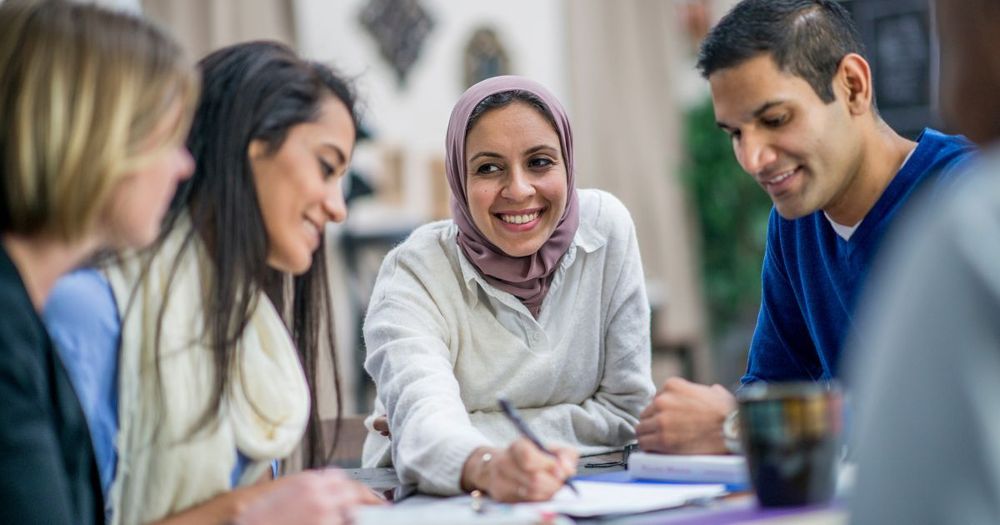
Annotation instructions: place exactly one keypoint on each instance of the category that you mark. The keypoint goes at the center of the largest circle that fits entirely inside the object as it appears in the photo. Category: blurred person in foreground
(791, 87)
(927, 351)
(94, 107)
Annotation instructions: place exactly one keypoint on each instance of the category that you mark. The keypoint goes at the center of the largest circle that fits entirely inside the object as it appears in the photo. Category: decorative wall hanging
(400, 27)
(485, 57)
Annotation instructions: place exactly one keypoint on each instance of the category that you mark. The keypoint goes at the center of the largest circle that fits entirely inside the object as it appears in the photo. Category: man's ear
(853, 82)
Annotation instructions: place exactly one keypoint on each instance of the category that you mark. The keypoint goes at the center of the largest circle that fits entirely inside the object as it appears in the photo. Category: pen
(522, 427)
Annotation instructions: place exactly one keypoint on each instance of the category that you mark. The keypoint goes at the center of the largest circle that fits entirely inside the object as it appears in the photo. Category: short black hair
(807, 38)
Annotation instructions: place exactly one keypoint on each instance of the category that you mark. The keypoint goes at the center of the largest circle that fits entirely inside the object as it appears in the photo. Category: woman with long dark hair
(214, 325)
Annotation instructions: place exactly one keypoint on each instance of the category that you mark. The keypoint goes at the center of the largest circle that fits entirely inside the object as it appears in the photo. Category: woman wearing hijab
(532, 292)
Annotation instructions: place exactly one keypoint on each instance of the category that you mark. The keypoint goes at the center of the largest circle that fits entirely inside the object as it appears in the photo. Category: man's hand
(685, 418)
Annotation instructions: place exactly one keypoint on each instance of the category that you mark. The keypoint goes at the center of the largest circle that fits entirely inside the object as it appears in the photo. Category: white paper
(457, 510)
(599, 498)
(596, 499)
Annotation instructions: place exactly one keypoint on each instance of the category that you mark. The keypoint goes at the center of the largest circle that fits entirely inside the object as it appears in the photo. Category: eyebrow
(336, 149)
(486, 154)
(538, 148)
(766, 106)
(756, 113)
(529, 151)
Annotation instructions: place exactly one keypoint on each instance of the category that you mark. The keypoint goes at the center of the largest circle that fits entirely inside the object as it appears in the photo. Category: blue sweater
(812, 277)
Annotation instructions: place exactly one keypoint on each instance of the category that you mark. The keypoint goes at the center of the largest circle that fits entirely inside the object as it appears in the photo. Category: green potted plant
(732, 213)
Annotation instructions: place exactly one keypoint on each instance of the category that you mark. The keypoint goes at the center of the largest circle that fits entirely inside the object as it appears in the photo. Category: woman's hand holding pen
(520, 472)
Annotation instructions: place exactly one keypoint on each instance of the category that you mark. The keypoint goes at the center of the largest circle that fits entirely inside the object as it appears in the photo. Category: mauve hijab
(527, 278)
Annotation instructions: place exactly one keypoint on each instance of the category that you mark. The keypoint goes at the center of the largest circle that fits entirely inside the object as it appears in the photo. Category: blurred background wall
(643, 126)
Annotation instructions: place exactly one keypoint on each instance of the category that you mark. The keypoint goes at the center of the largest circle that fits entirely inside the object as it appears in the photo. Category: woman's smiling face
(516, 182)
(299, 185)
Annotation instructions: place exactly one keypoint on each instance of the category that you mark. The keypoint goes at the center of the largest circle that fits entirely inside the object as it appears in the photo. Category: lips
(313, 230)
(520, 220)
(779, 182)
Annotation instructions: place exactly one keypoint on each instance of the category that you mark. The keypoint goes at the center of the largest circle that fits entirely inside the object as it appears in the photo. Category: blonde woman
(94, 107)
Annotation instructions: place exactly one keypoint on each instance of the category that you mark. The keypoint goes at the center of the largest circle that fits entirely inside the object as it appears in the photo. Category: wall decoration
(485, 57)
(400, 27)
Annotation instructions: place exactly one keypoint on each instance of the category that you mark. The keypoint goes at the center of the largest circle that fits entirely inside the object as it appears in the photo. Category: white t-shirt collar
(845, 232)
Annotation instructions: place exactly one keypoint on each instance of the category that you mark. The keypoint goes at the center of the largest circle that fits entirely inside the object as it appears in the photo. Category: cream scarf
(162, 468)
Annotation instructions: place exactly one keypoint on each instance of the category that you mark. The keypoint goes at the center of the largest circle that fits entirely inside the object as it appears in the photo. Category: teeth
(519, 219)
(781, 177)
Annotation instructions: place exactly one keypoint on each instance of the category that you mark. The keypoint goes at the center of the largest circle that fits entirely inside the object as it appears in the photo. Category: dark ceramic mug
(791, 434)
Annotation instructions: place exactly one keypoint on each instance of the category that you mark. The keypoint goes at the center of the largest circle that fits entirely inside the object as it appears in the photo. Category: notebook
(730, 470)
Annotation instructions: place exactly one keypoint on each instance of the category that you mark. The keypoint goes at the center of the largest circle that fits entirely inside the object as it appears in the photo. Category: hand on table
(311, 497)
(685, 418)
(521, 472)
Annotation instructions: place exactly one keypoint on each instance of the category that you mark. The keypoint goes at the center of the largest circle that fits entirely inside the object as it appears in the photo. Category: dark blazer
(47, 469)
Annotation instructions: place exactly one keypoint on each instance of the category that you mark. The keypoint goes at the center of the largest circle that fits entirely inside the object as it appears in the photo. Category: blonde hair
(82, 91)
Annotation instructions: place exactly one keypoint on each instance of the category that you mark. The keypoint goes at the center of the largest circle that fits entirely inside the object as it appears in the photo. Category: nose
(754, 153)
(519, 185)
(333, 201)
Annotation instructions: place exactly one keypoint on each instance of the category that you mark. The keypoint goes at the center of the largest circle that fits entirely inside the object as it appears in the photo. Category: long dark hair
(255, 90)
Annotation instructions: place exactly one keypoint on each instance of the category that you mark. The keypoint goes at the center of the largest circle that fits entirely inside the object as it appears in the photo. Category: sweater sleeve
(409, 360)
(627, 386)
(781, 347)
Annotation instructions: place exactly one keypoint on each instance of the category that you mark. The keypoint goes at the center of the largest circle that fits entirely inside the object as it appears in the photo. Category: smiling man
(791, 87)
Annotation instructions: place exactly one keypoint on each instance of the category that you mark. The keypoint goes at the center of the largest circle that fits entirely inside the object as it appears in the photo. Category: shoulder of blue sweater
(959, 144)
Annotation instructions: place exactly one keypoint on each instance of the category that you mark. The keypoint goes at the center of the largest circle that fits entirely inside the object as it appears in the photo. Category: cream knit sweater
(443, 345)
